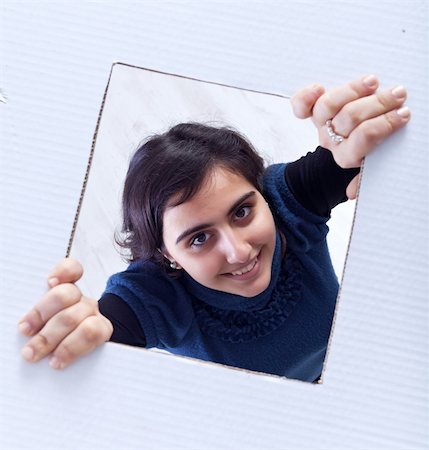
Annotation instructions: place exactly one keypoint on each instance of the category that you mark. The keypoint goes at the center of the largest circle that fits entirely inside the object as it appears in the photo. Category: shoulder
(277, 192)
(274, 173)
(280, 196)
(160, 302)
(144, 277)
(302, 228)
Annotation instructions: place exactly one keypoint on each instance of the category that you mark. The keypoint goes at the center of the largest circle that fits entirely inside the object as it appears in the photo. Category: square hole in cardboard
(139, 103)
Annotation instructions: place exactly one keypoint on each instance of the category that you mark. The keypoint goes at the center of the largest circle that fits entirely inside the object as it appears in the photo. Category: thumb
(353, 187)
(303, 101)
(68, 270)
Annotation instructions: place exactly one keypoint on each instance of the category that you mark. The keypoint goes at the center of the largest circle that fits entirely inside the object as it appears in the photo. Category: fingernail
(24, 327)
(404, 112)
(370, 81)
(399, 92)
(55, 363)
(53, 281)
(27, 353)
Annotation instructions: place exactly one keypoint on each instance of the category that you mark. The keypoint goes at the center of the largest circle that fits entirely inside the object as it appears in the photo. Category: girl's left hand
(358, 113)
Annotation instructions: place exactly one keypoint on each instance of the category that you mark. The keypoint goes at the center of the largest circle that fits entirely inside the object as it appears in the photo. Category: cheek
(204, 267)
(264, 229)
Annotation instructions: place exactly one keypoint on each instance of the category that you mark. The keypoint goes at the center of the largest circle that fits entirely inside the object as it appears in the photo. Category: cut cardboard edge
(84, 185)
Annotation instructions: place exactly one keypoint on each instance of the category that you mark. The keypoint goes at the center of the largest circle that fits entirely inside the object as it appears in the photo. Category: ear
(171, 260)
(165, 253)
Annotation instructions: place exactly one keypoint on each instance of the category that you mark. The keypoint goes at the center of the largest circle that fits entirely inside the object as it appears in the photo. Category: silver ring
(336, 138)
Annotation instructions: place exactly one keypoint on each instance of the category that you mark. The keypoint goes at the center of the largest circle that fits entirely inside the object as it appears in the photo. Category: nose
(236, 248)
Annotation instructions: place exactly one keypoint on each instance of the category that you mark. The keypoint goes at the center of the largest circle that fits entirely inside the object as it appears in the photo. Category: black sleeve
(317, 182)
(126, 327)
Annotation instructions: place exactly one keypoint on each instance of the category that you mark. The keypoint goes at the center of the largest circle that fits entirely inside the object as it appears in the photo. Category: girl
(229, 261)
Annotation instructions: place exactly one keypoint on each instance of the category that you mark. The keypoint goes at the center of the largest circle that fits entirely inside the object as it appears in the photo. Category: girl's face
(224, 236)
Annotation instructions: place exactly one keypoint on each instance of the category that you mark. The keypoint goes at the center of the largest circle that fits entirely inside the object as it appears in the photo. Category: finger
(303, 101)
(353, 187)
(56, 329)
(368, 135)
(57, 299)
(92, 332)
(330, 103)
(69, 270)
(356, 112)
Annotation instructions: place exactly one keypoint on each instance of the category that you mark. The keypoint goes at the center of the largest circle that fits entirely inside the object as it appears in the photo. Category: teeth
(245, 269)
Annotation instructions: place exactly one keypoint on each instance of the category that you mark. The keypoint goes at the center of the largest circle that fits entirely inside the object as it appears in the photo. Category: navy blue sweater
(283, 331)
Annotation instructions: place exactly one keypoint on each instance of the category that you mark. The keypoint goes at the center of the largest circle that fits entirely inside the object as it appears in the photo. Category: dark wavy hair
(176, 163)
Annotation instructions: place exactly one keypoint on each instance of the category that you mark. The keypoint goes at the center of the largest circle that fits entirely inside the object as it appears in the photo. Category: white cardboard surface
(53, 72)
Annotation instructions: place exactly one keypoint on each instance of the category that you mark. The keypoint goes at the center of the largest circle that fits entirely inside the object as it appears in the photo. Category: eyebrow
(207, 225)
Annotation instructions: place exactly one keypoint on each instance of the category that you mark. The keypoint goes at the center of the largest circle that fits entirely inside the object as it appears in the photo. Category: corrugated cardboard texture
(55, 60)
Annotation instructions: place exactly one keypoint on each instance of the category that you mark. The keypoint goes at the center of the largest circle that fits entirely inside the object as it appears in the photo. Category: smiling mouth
(246, 269)
(247, 272)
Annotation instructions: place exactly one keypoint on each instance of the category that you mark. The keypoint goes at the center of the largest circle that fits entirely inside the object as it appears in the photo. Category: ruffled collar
(233, 302)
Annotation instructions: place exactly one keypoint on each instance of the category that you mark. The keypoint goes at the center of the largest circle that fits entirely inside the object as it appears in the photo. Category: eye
(200, 239)
(243, 212)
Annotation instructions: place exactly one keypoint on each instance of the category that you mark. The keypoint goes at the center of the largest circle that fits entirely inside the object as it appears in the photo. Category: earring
(173, 265)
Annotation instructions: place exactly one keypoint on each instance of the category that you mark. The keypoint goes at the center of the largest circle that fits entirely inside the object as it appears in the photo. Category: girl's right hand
(64, 322)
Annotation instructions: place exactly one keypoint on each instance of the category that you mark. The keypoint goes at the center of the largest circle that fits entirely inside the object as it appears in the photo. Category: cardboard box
(374, 395)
